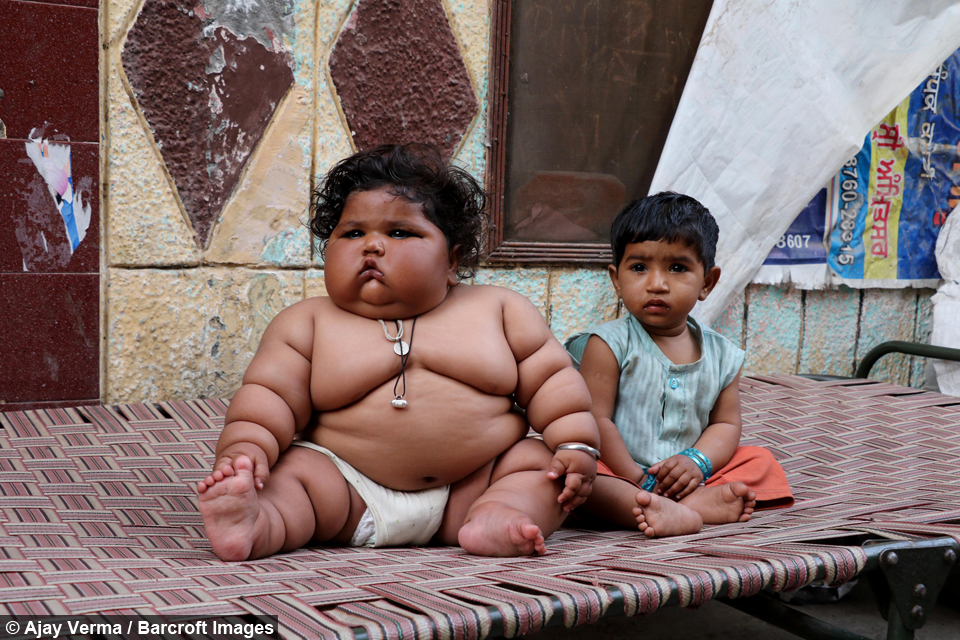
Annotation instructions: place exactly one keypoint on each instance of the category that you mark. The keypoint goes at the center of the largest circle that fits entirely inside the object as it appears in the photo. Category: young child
(666, 390)
(383, 414)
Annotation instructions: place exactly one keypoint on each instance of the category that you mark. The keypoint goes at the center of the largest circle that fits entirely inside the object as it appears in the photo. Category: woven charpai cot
(98, 515)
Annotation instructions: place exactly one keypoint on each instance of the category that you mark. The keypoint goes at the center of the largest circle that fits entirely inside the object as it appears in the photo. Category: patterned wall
(220, 115)
(217, 118)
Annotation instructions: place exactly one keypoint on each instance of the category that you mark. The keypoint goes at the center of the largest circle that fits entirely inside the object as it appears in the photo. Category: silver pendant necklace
(402, 349)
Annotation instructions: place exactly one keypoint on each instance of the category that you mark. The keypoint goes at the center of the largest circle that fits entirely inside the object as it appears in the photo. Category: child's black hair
(450, 197)
(670, 217)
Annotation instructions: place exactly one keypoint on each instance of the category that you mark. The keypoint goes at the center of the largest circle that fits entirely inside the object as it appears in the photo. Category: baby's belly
(447, 431)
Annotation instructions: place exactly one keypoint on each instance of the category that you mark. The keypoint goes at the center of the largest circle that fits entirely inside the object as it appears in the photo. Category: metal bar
(800, 624)
(876, 548)
(895, 627)
(909, 348)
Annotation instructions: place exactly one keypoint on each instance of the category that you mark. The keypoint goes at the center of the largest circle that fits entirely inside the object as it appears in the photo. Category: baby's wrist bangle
(702, 461)
(579, 446)
(649, 482)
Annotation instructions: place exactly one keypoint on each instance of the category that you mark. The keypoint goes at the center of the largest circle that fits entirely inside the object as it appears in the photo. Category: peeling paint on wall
(285, 247)
(269, 22)
(53, 164)
(39, 229)
(208, 80)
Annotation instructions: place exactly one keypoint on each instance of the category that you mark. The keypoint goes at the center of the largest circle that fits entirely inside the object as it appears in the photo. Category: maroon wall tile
(33, 236)
(49, 70)
(208, 98)
(400, 76)
(50, 331)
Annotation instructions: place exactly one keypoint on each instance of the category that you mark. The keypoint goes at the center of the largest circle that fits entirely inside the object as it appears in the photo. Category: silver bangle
(579, 446)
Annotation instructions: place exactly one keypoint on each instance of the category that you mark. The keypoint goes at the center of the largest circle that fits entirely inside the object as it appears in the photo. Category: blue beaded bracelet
(703, 462)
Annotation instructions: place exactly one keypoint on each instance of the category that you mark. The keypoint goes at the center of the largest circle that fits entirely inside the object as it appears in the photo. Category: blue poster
(891, 199)
(803, 241)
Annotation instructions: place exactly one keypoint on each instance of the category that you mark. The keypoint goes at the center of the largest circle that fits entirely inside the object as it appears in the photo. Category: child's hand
(261, 467)
(580, 468)
(677, 476)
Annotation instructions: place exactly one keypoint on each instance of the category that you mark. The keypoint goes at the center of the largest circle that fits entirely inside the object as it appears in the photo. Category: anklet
(579, 446)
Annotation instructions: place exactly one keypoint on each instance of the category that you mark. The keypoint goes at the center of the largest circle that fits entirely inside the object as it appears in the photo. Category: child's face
(385, 259)
(660, 282)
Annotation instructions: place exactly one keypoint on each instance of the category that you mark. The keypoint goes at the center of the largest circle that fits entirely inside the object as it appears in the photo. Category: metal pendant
(401, 348)
(399, 403)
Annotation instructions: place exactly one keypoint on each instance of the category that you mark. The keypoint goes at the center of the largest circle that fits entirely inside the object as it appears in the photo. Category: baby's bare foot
(496, 529)
(733, 502)
(658, 516)
(230, 508)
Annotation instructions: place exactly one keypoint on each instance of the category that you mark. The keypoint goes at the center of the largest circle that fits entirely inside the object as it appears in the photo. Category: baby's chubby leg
(658, 517)
(463, 494)
(612, 501)
(722, 504)
(519, 509)
(620, 502)
(304, 498)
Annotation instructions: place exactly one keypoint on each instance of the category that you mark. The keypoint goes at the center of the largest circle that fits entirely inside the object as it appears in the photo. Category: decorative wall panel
(208, 79)
(400, 75)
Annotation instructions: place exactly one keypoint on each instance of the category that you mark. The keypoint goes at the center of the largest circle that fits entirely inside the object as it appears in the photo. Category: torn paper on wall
(779, 97)
(53, 163)
(946, 304)
(799, 257)
(895, 194)
(884, 209)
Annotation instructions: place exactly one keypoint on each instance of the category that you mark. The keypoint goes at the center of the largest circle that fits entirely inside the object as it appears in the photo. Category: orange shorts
(754, 466)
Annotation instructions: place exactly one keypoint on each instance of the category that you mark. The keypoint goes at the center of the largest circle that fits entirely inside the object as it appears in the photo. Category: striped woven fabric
(98, 514)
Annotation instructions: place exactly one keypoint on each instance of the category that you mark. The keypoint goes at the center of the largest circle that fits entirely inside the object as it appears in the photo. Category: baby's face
(660, 282)
(385, 259)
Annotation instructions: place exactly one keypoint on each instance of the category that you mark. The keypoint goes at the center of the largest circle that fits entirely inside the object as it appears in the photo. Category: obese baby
(395, 410)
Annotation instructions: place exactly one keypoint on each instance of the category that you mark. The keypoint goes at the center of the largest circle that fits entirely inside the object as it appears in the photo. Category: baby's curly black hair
(450, 197)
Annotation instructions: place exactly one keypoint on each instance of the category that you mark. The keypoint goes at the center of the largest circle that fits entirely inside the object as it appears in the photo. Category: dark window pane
(593, 88)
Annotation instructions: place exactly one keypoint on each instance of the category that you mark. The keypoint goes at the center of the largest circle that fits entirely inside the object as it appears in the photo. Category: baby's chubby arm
(274, 401)
(601, 372)
(554, 395)
(678, 475)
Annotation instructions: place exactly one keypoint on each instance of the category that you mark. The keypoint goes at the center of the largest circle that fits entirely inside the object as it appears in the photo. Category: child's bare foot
(495, 529)
(658, 516)
(733, 502)
(230, 508)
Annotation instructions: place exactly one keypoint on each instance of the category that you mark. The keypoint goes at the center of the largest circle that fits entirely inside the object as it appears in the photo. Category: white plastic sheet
(780, 95)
